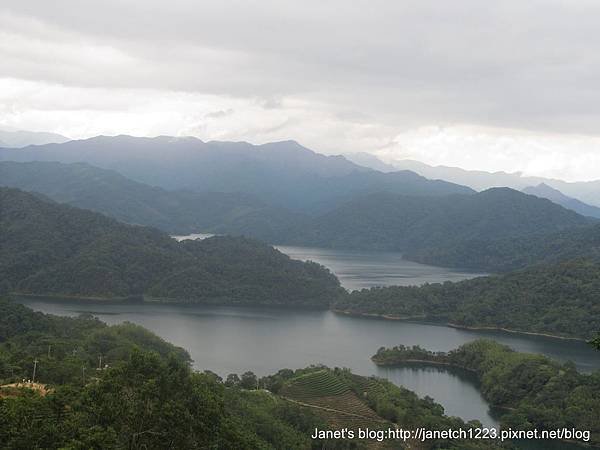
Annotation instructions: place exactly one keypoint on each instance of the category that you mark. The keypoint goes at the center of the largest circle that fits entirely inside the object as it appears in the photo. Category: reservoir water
(264, 340)
(360, 269)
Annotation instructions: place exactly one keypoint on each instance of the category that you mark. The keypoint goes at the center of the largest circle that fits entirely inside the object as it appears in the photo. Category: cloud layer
(338, 76)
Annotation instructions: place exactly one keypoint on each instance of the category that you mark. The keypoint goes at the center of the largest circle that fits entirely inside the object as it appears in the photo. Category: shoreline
(147, 300)
(454, 325)
(381, 363)
(166, 301)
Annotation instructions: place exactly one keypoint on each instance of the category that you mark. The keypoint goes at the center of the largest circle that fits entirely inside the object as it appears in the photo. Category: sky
(508, 85)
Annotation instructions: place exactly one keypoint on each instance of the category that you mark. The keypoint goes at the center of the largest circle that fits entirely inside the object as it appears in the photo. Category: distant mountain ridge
(371, 161)
(281, 174)
(23, 138)
(585, 191)
(542, 190)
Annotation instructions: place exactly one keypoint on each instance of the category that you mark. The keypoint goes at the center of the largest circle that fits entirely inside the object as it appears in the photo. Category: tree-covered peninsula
(560, 299)
(532, 391)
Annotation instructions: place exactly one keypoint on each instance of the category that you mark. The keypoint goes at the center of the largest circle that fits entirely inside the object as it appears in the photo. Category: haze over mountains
(282, 173)
(585, 191)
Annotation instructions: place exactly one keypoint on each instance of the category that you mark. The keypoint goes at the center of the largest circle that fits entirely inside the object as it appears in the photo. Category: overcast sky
(511, 85)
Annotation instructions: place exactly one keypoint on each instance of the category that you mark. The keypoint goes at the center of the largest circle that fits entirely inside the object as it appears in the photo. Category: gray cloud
(518, 64)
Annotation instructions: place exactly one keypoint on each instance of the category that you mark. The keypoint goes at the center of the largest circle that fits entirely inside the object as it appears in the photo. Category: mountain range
(584, 191)
(283, 174)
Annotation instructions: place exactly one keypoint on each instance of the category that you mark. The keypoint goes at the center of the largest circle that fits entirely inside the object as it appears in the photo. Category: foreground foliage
(147, 398)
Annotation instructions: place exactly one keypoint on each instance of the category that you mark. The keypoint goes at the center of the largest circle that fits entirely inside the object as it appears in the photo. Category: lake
(264, 340)
(360, 269)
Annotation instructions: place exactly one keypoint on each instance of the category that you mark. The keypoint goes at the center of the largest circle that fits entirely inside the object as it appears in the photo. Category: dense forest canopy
(560, 299)
(52, 249)
(531, 390)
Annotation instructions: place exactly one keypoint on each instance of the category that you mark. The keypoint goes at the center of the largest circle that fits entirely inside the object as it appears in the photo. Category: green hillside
(52, 249)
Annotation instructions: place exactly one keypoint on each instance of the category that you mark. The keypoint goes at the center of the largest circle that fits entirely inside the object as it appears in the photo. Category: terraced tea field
(331, 398)
(321, 383)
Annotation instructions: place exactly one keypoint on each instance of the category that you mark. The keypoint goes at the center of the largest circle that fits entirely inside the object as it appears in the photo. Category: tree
(232, 380)
(596, 342)
(249, 380)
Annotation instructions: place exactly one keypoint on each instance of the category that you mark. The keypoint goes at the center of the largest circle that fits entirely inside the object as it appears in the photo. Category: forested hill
(561, 299)
(176, 212)
(283, 174)
(48, 248)
(409, 224)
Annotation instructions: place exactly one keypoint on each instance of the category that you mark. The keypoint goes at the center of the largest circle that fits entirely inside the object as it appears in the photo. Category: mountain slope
(410, 224)
(176, 212)
(284, 174)
(542, 190)
(52, 249)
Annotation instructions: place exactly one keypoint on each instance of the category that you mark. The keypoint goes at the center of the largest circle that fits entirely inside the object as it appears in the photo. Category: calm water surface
(358, 269)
